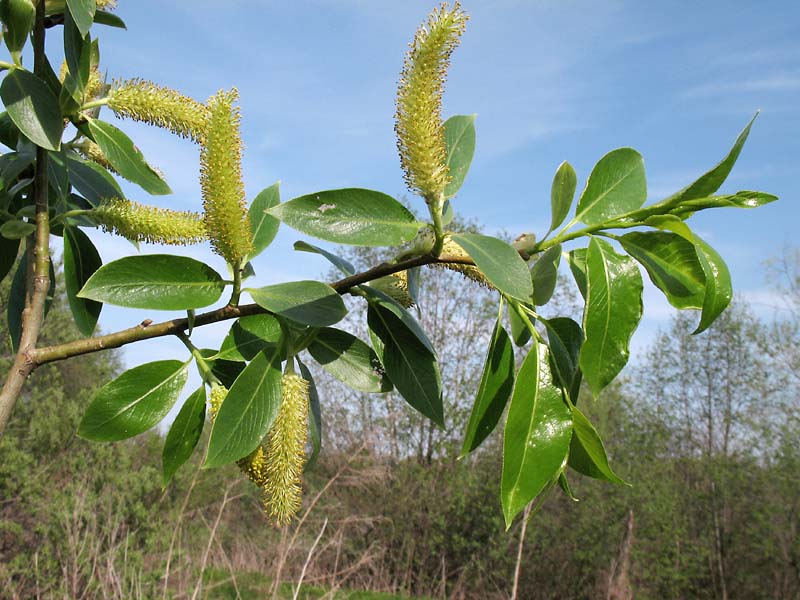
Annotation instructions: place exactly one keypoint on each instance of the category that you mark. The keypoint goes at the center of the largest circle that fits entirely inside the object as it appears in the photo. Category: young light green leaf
(587, 455)
(17, 17)
(263, 225)
(82, 12)
(155, 281)
(670, 223)
(672, 264)
(459, 138)
(613, 310)
(537, 434)
(126, 158)
(247, 413)
(350, 216)
(719, 289)
(81, 261)
(133, 402)
(184, 434)
(544, 275)
(248, 336)
(33, 107)
(499, 262)
(616, 185)
(562, 193)
(349, 359)
(410, 365)
(16, 230)
(497, 381)
(315, 422)
(565, 337)
(345, 266)
(307, 302)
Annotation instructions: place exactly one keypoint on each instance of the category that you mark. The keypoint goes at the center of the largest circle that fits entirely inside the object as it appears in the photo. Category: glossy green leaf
(18, 17)
(126, 158)
(82, 12)
(519, 329)
(410, 365)
(308, 302)
(81, 261)
(9, 249)
(345, 266)
(577, 264)
(133, 402)
(350, 216)
(537, 434)
(711, 181)
(497, 381)
(102, 17)
(459, 138)
(16, 300)
(613, 310)
(91, 180)
(33, 107)
(670, 223)
(563, 483)
(672, 264)
(616, 185)
(155, 281)
(562, 192)
(263, 225)
(16, 230)
(315, 422)
(499, 262)
(379, 299)
(544, 275)
(348, 359)
(587, 455)
(565, 337)
(247, 413)
(184, 434)
(719, 290)
(248, 336)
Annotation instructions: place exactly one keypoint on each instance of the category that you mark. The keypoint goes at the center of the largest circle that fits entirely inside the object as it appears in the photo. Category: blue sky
(549, 81)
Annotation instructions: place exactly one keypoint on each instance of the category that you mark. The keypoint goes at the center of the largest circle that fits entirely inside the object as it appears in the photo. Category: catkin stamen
(141, 223)
(451, 248)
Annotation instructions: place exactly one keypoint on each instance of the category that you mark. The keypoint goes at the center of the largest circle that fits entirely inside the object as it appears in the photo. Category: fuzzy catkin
(451, 248)
(221, 181)
(286, 452)
(418, 125)
(396, 287)
(141, 223)
(91, 151)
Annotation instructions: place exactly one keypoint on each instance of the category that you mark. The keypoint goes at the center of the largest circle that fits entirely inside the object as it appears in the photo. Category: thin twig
(308, 560)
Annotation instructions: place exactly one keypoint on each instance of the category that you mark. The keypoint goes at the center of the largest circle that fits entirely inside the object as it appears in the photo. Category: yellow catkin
(91, 151)
(452, 249)
(419, 127)
(286, 452)
(253, 465)
(141, 223)
(221, 181)
(145, 101)
(94, 86)
(396, 287)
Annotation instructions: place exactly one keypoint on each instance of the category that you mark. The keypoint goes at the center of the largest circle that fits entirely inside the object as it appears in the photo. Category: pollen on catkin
(142, 223)
(396, 287)
(91, 151)
(418, 125)
(221, 181)
(286, 452)
(145, 101)
(452, 249)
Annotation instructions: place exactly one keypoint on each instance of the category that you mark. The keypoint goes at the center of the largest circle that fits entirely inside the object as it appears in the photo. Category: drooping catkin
(396, 287)
(142, 100)
(142, 223)
(419, 127)
(451, 249)
(286, 452)
(221, 181)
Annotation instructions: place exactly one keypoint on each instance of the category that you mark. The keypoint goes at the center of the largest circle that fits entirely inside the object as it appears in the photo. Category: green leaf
(82, 12)
(519, 329)
(348, 359)
(350, 216)
(564, 485)
(315, 422)
(345, 266)
(102, 17)
(577, 264)
(126, 158)
(670, 223)
(33, 107)
(719, 289)
(562, 192)
(9, 249)
(16, 230)
(91, 180)
(155, 281)
(81, 261)
(672, 264)
(587, 455)
(184, 434)
(248, 336)
(308, 302)
(616, 185)
(537, 434)
(565, 337)
(613, 310)
(711, 181)
(18, 17)
(459, 138)
(16, 300)
(247, 413)
(499, 262)
(379, 299)
(544, 275)
(497, 381)
(263, 225)
(410, 365)
(134, 402)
